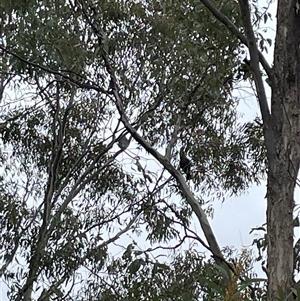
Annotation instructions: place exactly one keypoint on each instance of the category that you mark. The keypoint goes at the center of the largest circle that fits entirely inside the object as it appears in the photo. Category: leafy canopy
(69, 193)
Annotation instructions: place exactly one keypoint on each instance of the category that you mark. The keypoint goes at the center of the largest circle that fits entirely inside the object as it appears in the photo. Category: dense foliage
(69, 193)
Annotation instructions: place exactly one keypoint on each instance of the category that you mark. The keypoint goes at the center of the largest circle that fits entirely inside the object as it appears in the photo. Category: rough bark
(282, 135)
(283, 171)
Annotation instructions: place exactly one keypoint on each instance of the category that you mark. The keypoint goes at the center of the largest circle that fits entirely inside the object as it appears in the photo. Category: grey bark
(282, 174)
(281, 132)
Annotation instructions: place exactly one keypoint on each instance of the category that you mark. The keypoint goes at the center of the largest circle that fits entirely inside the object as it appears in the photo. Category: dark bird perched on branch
(123, 143)
(185, 164)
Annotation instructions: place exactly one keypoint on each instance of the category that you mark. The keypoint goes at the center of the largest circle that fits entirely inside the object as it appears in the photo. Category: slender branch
(261, 93)
(58, 140)
(173, 139)
(195, 205)
(78, 83)
(208, 232)
(222, 18)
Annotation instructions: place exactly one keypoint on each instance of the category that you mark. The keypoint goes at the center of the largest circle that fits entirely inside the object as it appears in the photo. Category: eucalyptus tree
(79, 79)
(281, 133)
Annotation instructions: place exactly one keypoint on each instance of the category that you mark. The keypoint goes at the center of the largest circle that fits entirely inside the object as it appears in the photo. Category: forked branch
(222, 18)
(256, 58)
(254, 65)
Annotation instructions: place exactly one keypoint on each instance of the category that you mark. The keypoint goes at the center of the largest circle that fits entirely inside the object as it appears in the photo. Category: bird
(185, 164)
(123, 143)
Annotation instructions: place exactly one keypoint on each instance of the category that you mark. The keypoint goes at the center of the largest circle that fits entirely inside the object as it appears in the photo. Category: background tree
(79, 76)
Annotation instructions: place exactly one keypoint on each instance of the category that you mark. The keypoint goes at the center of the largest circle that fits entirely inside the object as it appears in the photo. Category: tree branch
(78, 83)
(208, 232)
(173, 138)
(222, 18)
(261, 93)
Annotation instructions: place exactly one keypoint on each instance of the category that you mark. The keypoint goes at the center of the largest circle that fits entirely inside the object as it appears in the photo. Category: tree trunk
(280, 231)
(283, 169)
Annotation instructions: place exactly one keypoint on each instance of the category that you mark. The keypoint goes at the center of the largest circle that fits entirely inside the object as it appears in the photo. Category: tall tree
(281, 133)
(81, 77)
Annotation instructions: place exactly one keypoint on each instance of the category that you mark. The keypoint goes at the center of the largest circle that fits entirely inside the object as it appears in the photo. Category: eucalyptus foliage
(68, 193)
